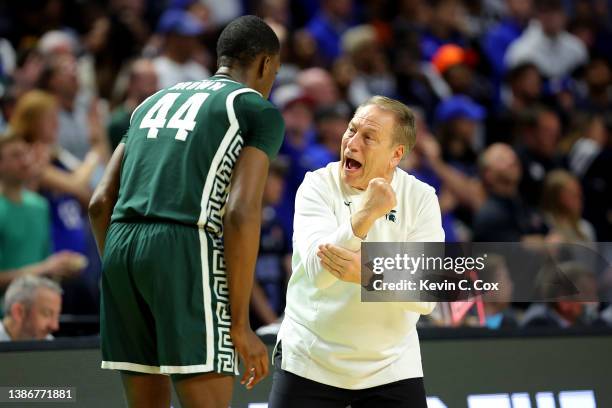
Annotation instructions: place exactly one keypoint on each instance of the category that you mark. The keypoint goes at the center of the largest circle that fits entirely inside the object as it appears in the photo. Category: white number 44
(183, 119)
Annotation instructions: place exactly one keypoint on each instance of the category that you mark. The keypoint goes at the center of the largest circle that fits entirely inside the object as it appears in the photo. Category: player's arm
(241, 229)
(262, 127)
(104, 198)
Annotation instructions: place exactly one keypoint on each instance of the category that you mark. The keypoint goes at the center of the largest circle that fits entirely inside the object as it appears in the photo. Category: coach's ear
(398, 153)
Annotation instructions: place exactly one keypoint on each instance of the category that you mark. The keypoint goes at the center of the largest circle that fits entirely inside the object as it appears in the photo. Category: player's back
(180, 151)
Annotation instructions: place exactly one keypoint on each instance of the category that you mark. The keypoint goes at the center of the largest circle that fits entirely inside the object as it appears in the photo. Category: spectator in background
(35, 119)
(56, 43)
(592, 138)
(273, 266)
(7, 102)
(453, 188)
(8, 58)
(176, 64)
(80, 127)
(574, 309)
(25, 236)
(547, 44)
(596, 95)
(113, 38)
(328, 25)
(504, 217)
(524, 88)
(330, 123)
(221, 12)
(446, 26)
(597, 185)
(303, 50)
(459, 121)
(455, 66)
(499, 37)
(142, 82)
(373, 75)
(319, 86)
(521, 95)
(499, 313)
(297, 110)
(33, 305)
(27, 74)
(67, 184)
(537, 151)
(562, 207)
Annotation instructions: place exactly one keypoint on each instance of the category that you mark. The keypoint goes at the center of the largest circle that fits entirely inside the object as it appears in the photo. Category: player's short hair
(405, 127)
(244, 39)
(23, 290)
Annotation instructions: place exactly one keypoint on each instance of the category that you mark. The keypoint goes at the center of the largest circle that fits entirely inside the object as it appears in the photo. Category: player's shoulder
(251, 100)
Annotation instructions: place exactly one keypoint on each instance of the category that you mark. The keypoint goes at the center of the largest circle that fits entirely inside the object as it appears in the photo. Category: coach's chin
(331, 345)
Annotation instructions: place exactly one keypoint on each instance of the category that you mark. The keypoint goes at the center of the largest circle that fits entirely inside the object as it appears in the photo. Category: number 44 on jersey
(183, 119)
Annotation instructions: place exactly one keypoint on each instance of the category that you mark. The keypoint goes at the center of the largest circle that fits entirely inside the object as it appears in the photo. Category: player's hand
(340, 262)
(253, 353)
(379, 198)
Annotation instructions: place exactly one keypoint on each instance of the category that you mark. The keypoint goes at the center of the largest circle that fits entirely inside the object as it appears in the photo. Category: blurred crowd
(513, 101)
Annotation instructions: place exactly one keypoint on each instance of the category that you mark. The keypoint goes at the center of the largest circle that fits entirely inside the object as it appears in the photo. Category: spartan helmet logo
(391, 216)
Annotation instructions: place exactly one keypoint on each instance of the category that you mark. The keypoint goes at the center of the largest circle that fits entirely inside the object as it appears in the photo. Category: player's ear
(265, 65)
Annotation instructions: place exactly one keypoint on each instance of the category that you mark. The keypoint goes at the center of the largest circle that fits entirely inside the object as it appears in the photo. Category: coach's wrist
(361, 222)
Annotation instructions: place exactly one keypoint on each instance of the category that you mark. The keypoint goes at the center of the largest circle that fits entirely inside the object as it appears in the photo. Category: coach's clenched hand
(340, 262)
(253, 353)
(379, 198)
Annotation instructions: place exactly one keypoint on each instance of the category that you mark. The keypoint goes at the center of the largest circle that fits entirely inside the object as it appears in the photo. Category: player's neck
(233, 73)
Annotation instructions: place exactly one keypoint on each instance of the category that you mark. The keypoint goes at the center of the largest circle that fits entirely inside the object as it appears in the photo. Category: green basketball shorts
(165, 296)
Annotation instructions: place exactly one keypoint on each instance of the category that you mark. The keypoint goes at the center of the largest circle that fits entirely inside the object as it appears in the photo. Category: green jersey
(181, 148)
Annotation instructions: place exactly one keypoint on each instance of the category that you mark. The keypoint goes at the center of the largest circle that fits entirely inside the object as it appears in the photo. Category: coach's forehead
(375, 118)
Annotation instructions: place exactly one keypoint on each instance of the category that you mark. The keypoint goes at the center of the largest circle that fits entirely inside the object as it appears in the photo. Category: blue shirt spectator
(328, 25)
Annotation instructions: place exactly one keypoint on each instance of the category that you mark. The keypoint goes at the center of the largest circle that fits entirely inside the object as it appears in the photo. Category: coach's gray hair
(405, 128)
(23, 290)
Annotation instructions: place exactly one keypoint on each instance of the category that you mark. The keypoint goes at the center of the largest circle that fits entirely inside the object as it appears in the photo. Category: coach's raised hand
(378, 200)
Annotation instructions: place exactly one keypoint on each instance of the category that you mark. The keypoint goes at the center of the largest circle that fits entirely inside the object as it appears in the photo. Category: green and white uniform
(164, 287)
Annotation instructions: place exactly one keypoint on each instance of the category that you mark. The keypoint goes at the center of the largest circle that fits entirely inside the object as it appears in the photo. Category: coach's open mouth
(351, 164)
